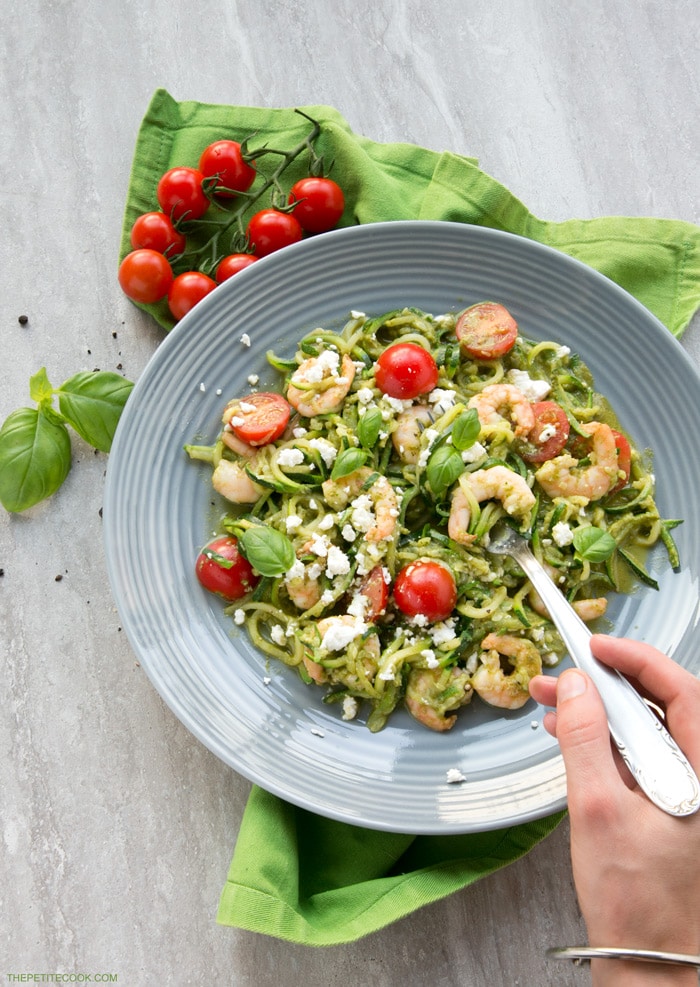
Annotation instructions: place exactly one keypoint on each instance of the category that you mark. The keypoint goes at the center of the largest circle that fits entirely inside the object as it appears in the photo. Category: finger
(543, 689)
(660, 677)
(584, 739)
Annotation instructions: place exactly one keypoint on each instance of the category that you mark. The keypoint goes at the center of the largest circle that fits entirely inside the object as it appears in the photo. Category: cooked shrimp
(317, 387)
(561, 477)
(232, 482)
(497, 482)
(373, 511)
(498, 400)
(304, 591)
(237, 445)
(507, 690)
(431, 693)
(406, 437)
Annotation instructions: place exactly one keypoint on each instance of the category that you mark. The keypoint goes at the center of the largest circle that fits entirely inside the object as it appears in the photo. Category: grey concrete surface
(117, 825)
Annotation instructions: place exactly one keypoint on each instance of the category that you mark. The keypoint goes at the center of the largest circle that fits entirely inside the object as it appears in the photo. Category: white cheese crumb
(430, 659)
(338, 562)
(326, 523)
(534, 390)
(277, 634)
(267, 680)
(562, 534)
(350, 708)
(253, 379)
(245, 339)
(239, 617)
(290, 457)
(317, 733)
(292, 522)
(354, 314)
(327, 449)
(202, 387)
(454, 776)
(338, 636)
(365, 395)
(474, 452)
(534, 724)
(299, 433)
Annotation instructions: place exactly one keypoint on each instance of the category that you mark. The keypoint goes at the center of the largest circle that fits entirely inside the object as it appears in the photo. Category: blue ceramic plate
(158, 512)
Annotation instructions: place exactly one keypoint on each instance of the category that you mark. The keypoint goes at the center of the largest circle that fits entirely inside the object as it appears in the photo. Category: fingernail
(571, 684)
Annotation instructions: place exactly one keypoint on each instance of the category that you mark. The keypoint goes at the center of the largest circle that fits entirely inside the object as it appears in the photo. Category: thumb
(584, 739)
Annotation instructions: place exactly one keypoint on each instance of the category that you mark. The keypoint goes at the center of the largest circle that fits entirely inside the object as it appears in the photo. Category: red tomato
(145, 276)
(320, 203)
(549, 434)
(186, 290)
(232, 265)
(374, 587)
(426, 587)
(224, 160)
(221, 569)
(155, 231)
(180, 194)
(260, 418)
(486, 331)
(270, 230)
(624, 460)
(405, 370)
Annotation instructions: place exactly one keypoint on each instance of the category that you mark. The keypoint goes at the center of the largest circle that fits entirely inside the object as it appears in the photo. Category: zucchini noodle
(363, 489)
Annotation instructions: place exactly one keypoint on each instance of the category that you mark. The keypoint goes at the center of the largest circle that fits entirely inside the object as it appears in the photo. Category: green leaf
(369, 427)
(444, 466)
(40, 389)
(269, 551)
(92, 402)
(35, 457)
(347, 462)
(593, 544)
(465, 430)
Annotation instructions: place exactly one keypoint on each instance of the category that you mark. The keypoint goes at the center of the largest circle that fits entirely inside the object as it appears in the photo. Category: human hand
(636, 868)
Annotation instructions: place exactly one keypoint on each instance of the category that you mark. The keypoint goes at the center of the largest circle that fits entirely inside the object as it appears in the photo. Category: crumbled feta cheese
(547, 432)
(239, 617)
(202, 387)
(338, 562)
(349, 533)
(396, 404)
(327, 597)
(534, 724)
(430, 659)
(550, 659)
(365, 395)
(562, 534)
(326, 522)
(562, 352)
(316, 732)
(267, 680)
(442, 398)
(292, 522)
(299, 433)
(362, 516)
(443, 632)
(290, 457)
(534, 390)
(253, 379)
(246, 406)
(420, 620)
(245, 339)
(327, 450)
(454, 776)
(474, 452)
(358, 606)
(277, 634)
(350, 708)
(357, 315)
(339, 635)
(297, 571)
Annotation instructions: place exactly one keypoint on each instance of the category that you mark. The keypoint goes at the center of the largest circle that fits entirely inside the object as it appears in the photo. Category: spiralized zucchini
(361, 487)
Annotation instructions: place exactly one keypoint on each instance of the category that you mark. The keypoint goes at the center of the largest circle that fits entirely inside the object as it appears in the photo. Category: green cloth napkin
(296, 875)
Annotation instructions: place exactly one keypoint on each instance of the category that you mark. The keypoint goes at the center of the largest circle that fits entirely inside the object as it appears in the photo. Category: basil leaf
(35, 457)
(269, 551)
(368, 427)
(347, 462)
(92, 401)
(465, 430)
(444, 466)
(40, 389)
(593, 544)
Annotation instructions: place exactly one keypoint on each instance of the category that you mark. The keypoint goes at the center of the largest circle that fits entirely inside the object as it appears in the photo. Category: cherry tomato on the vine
(270, 230)
(221, 569)
(186, 290)
(224, 159)
(426, 587)
(145, 276)
(405, 370)
(260, 418)
(486, 330)
(155, 231)
(180, 194)
(232, 265)
(320, 203)
(549, 434)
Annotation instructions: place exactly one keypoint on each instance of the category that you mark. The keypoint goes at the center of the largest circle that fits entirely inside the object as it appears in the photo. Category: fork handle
(657, 763)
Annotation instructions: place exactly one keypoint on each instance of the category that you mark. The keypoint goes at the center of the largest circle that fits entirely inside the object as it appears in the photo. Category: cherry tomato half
(145, 276)
(155, 231)
(549, 434)
(486, 331)
(405, 370)
(224, 159)
(624, 460)
(320, 203)
(259, 418)
(186, 290)
(270, 230)
(221, 569)
(180, 194)
(376, 591)
(232, 265)
(426, 587)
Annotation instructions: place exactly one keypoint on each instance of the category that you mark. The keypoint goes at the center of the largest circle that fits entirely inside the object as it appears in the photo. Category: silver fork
(657, 763)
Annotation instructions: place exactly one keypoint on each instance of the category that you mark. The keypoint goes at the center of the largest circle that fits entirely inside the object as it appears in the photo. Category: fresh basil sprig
(593, 544)
(444, 466)
(35, 445)
(269, 551)
(465, 430)
(369, 427)
(347, 462)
